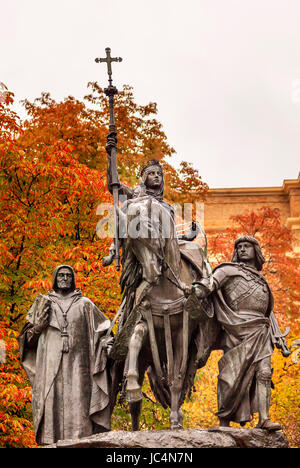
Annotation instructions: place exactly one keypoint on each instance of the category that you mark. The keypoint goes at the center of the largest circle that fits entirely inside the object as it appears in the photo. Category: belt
(170, 308)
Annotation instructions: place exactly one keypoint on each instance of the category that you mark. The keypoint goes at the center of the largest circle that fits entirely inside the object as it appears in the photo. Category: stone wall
(221, 203)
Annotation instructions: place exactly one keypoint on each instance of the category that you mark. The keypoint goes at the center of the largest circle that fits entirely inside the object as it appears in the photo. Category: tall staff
(110, 92)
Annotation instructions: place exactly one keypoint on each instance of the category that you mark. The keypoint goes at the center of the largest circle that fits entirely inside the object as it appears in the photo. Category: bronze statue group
(175, 311)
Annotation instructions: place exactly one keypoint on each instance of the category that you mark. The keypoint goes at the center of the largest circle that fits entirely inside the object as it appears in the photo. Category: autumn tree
(48, 216)
(52, 179)
(84, 126)
(141, 138)
(15, 395)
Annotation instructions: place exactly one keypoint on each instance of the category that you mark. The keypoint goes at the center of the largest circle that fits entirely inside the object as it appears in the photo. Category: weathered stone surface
(216, 437)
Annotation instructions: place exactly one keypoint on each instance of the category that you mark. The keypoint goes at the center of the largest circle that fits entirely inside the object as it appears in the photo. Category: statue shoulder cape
(231, 269)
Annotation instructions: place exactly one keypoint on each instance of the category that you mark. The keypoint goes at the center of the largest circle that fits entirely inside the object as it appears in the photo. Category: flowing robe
(70, 397)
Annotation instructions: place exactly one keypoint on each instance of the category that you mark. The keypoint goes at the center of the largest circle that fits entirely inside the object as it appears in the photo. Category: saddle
(165, 310)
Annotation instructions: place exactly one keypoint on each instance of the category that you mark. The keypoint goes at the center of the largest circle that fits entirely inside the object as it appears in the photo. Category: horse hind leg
(176, 414)
(135, 411)
(133, 387)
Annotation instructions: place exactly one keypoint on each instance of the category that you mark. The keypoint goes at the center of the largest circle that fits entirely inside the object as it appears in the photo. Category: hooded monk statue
(64, 351)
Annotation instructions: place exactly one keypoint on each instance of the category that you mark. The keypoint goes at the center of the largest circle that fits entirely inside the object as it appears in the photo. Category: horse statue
(163, 329)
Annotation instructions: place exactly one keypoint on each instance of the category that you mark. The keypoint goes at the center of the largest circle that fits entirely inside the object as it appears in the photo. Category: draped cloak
(70, 390)
(246, 336)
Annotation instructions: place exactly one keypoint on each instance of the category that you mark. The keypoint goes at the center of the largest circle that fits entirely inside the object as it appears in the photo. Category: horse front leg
(176, 414)
(135, 407)
(134, 389)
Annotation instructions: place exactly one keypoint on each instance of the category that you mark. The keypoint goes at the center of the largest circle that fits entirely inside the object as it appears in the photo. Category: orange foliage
(15, 395)
(200, 408)
(52, 179)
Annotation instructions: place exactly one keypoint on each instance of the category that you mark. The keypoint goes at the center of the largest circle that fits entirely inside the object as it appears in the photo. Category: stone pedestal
(216, 437)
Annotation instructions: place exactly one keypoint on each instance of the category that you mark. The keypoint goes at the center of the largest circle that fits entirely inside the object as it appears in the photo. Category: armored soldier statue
(243, 305)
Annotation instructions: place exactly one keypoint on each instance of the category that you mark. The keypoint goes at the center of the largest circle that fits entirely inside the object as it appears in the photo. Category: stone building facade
(221, 203)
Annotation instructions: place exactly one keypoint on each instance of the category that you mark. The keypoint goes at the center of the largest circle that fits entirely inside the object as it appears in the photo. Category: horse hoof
(134, 395)
(176, 427)
(180, 417)
(176, 420)
(133, 389)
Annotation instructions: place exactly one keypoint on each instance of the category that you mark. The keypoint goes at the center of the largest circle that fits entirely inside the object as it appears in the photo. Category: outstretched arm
(204, 287)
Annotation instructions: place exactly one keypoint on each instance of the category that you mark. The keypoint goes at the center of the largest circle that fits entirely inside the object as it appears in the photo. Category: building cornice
(285, 189)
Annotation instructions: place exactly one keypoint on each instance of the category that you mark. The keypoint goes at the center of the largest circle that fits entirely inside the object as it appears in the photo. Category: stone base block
(216, 437)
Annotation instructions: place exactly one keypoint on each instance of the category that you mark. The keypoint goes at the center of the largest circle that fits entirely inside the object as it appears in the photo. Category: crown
(153, 162)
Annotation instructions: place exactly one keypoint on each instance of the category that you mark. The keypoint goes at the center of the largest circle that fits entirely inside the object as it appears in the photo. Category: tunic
(242, 303)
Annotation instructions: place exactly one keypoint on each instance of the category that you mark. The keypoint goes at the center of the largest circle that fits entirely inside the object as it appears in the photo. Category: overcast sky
(224, 73)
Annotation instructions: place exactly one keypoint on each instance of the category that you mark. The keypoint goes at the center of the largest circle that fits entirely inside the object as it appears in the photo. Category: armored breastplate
(246, 292)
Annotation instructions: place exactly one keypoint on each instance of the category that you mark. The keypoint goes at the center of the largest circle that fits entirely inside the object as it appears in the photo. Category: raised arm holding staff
(113, 183)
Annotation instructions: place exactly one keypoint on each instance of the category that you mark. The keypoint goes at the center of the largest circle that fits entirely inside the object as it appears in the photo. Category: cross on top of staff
(109, 60)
